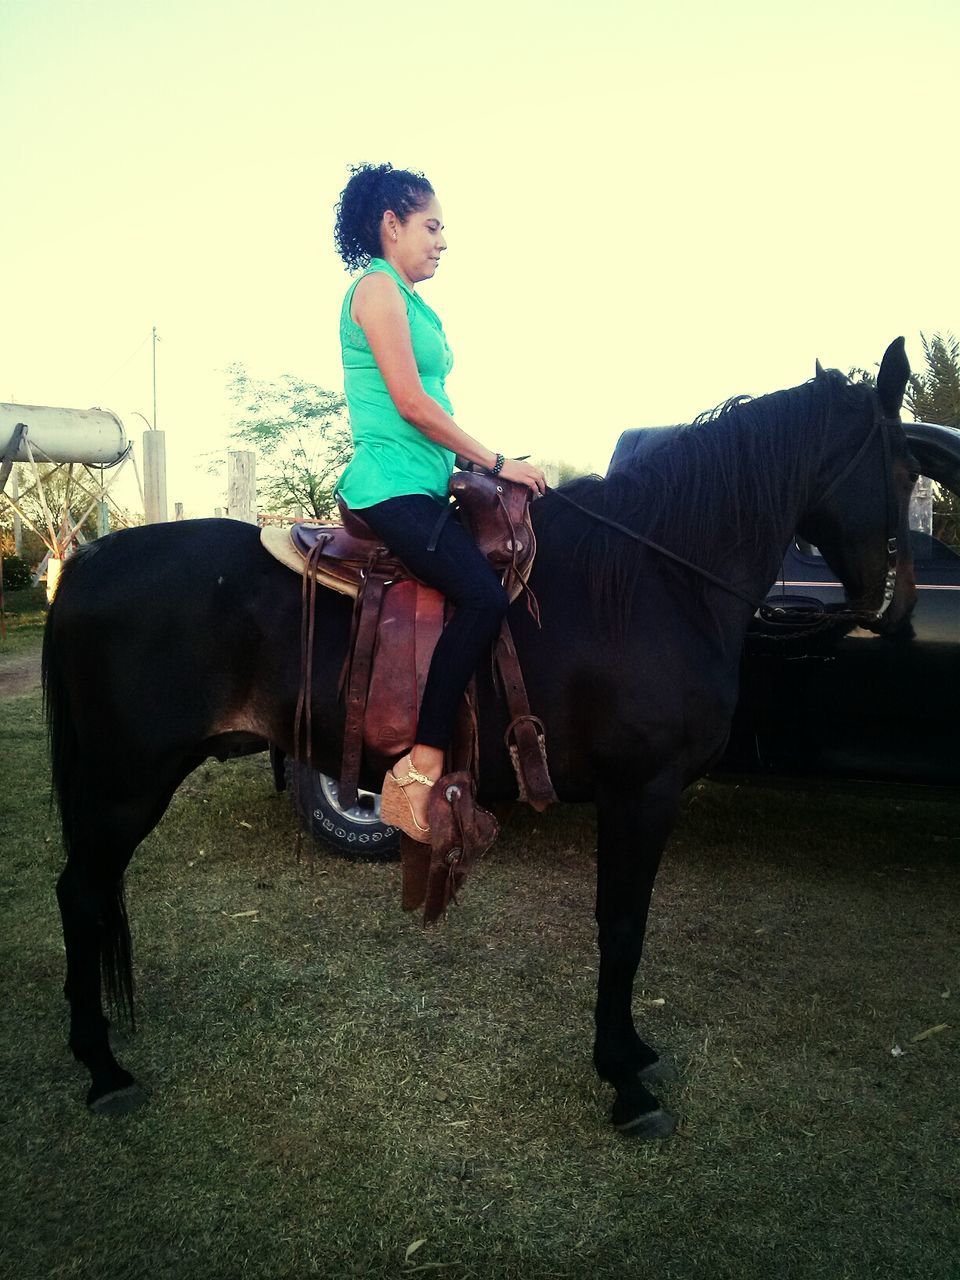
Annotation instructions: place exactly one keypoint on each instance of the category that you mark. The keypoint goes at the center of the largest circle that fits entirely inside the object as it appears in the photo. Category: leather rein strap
(663, 551)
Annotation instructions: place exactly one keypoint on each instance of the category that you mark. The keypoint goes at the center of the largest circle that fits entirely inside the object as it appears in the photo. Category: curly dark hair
(372, 189)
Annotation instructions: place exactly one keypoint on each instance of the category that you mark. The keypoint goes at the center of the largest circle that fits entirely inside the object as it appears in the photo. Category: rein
(783, 614)
(663, 551)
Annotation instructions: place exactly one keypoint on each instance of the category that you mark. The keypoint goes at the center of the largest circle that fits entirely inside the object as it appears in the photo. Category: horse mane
(704, 491)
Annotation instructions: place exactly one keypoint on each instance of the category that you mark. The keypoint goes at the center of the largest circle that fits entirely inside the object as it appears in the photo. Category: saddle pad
(278, 542)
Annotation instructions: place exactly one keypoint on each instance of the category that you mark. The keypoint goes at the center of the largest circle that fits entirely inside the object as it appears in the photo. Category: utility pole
(154, 459)
(155, 377)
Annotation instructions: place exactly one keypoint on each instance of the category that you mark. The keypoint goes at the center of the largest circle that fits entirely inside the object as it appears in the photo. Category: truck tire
(356, 832)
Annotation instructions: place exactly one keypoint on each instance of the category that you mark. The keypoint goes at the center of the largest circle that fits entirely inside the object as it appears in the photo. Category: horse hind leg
(97, 940)
(631, 835)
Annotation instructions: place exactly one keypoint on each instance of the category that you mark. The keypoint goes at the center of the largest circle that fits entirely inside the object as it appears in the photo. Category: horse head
(859, 517)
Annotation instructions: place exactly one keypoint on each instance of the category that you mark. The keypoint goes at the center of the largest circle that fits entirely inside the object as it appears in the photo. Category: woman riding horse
(395, 362)
(172, 643)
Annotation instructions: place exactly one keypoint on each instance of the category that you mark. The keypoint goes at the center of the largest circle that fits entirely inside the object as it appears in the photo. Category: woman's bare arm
(378, 308)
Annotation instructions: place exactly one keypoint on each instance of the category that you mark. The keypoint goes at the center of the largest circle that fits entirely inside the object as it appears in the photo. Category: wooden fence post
(154, 477)
(242, 485)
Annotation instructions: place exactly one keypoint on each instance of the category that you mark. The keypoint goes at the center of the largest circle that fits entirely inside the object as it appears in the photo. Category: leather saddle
(397, 621)
(340, 556)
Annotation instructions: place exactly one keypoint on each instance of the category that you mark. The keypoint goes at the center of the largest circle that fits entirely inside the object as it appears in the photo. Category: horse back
(167, 636)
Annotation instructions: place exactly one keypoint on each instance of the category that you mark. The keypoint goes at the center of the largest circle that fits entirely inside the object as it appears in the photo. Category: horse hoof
(649, 1126)
(119, 1102)
(660, 1072)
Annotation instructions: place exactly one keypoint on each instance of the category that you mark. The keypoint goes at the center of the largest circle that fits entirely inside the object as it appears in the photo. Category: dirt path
(20, 675)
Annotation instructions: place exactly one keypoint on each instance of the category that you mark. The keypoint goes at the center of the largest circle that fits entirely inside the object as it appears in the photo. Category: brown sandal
(395, 807)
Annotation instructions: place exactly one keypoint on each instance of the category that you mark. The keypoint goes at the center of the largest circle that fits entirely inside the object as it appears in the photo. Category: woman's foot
(405, 800)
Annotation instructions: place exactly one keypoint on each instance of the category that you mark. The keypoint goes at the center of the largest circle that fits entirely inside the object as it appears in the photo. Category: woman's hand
(524, 473)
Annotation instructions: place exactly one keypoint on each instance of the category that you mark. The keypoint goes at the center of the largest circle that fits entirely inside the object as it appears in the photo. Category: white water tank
(94, 437)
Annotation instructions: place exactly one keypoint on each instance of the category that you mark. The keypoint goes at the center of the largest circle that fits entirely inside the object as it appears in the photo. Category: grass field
(337, 1092)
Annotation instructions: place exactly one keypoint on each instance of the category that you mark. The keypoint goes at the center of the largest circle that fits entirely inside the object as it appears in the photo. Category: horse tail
(66, 755)
(62, 740)
(116, 962)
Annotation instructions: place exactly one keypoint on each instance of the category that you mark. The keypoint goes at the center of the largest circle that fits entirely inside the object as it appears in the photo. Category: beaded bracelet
(497, 466)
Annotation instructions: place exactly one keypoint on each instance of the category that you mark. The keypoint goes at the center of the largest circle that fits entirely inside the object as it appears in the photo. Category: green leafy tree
(559, 472)
(301, 437)
(934, 394)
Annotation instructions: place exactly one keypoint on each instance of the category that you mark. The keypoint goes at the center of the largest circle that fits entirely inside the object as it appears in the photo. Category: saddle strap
(358, 683)
(302, 723)
(514, 581)
(524, 737)
(464, 753)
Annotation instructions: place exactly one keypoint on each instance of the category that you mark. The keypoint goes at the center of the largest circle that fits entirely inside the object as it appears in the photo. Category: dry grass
(330, 1083)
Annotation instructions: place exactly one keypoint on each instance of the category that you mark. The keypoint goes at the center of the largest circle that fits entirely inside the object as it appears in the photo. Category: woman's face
(414, 247)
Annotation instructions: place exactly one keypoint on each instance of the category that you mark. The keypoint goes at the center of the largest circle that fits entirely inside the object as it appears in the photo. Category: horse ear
(892, 378)
(818, 373)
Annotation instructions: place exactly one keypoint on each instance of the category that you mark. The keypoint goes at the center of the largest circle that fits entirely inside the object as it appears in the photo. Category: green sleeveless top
(392, 458)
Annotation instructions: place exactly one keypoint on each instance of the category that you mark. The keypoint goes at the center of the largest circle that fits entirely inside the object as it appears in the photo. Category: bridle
(882, 425)
(780, 615)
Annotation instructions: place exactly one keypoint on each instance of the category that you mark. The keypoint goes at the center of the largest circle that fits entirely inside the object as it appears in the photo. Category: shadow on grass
(330, 1083)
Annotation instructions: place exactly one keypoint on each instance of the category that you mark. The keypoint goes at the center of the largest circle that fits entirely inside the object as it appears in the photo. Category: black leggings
(456, 568)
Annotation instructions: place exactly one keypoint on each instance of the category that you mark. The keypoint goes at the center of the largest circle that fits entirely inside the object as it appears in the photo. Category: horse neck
(754, 496)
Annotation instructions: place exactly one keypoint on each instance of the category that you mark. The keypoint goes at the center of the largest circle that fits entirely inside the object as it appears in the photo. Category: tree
(934, 396)
(60, 490)
(560, 472)
(301, 437)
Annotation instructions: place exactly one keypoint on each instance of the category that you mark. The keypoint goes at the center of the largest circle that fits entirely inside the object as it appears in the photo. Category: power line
(124, 364)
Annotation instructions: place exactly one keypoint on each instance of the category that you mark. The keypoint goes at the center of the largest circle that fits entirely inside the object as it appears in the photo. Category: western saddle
(397, 621)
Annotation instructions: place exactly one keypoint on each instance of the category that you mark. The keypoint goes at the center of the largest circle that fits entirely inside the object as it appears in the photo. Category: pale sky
(650, 207)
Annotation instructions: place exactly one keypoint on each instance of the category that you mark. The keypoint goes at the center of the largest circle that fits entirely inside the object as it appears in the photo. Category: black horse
(170, 644)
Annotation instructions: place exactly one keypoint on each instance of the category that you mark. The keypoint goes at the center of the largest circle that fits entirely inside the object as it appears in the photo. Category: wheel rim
(366, 812)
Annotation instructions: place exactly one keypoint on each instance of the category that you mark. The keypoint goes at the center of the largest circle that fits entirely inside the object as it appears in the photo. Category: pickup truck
(813, 700)
(849, 702)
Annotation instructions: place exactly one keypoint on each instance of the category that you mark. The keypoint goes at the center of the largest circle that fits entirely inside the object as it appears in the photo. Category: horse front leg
(632, 830)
